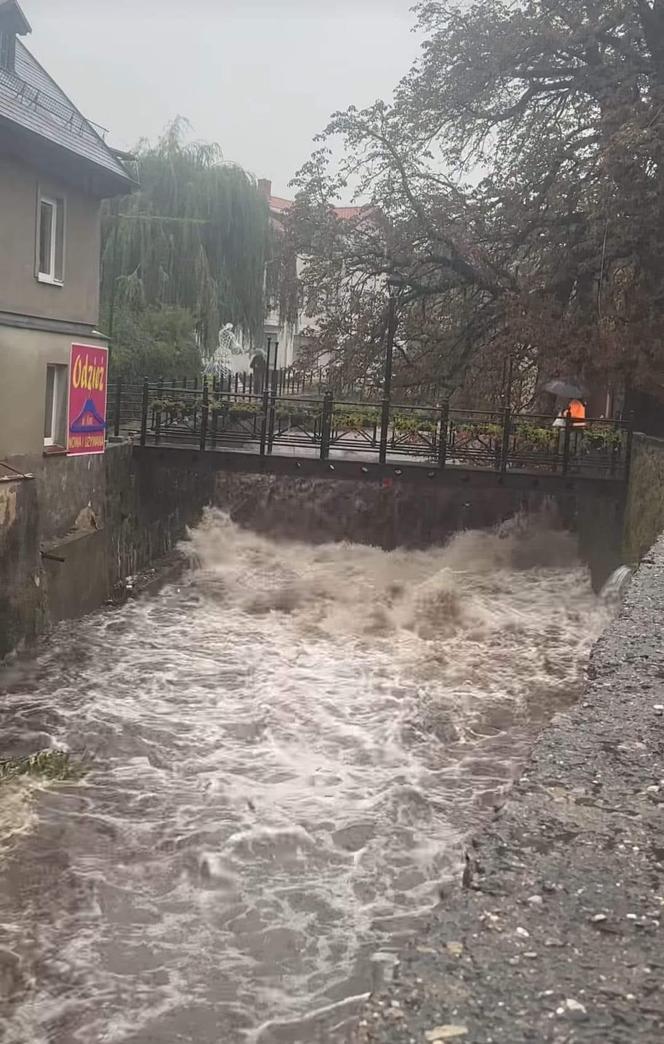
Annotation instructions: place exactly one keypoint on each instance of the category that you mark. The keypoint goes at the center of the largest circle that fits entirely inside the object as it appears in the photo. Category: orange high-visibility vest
(577, 412)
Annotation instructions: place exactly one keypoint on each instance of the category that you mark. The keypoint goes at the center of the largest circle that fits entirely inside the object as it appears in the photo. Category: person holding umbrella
(572, 415)
(575, 410)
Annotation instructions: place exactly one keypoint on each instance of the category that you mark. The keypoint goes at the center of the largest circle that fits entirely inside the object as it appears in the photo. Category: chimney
(265, 188)
(13, 23)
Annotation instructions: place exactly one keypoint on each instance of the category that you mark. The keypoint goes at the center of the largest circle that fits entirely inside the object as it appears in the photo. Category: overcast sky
(261, 77)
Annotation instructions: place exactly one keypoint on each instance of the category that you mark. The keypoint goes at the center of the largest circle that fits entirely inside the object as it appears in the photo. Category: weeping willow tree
(191, 242)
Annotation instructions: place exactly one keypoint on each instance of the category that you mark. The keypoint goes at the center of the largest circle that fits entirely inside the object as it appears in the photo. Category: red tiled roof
(347, 213)
(278, 205)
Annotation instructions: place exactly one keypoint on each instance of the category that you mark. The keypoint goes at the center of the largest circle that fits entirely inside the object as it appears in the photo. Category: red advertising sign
(86, 418)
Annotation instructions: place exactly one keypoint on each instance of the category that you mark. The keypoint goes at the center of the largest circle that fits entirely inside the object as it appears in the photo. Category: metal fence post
(505, 448)
(629, 447)
(616, 447)
(444, 434)
(326, 426)
(387, 382)
(157, 420)
(274, 380)
(205, 413)
(118, 408)
(384, 431)
(266, 410)
(566, 444)
(214, 410)
(144, 412)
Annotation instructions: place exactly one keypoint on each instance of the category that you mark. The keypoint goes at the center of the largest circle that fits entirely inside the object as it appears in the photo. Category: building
(284, 338)
(289, 336)
(55, 169)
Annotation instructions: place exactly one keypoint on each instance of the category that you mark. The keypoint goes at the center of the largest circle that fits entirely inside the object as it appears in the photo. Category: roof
(278, 205)
(348, 213)
(31, 100)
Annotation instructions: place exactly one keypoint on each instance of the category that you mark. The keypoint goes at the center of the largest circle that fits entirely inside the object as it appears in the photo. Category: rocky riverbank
(555, 933)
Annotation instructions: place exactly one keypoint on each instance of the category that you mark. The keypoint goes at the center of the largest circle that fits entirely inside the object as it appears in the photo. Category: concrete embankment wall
(644, 512)
(107, 517)
(414, 515)
(390, 515)
(21, 602)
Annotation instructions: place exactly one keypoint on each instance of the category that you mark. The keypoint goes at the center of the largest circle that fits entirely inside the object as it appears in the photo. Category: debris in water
(445, 1033)
(573, 1008)
(54, 765)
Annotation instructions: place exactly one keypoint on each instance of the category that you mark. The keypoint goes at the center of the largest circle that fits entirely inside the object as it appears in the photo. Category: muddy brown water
(286, 749)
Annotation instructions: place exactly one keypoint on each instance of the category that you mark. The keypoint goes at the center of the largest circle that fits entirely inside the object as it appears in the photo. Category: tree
(413, 239)
(156, 342)
(517, 185)
(193, 238)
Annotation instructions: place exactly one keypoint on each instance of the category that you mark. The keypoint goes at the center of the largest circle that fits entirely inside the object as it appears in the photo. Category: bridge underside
(389, 474)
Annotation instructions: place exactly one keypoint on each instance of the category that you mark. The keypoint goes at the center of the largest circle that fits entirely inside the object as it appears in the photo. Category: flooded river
(285, 749)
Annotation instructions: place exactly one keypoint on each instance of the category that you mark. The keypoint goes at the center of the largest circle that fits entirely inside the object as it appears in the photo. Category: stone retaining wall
(397, 514)
(644, 515)
(106, 517)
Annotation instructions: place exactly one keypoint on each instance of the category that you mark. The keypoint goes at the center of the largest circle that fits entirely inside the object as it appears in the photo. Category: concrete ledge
(557, 930)
(365, 470)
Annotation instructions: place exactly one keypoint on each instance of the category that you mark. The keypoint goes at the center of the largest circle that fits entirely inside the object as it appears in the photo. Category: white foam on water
(288, 747)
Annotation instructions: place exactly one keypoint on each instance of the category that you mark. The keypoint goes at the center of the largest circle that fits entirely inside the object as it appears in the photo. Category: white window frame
(58, 404)
(58, 215)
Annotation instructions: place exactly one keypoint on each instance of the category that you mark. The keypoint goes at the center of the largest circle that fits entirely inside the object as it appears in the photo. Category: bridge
(293, 428)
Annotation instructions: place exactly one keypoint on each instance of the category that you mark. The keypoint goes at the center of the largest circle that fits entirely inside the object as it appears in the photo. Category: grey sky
(261, 77)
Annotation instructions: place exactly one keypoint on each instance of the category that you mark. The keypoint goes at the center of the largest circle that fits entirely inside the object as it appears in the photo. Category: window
(8, 50)
(51, 240)
(55, 409)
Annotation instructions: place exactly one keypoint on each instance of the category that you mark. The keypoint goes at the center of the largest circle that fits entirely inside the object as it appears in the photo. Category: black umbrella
(565, 388)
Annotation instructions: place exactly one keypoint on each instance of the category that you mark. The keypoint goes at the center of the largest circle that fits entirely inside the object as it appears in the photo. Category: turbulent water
(286, 749)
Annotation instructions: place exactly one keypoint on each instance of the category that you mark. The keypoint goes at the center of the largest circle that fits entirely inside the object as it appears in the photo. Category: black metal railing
(233, 416)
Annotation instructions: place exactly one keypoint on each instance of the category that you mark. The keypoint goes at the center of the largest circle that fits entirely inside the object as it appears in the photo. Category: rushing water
(286, 749)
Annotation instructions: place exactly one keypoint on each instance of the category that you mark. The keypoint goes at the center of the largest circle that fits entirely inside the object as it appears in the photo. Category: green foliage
(355, 418)
(297, 416)
(553, 261)
(536, 437)
(475, 430)
(414, 423)
(239, 411)
(52, 765)
(175, 409)
(602, 437)
(180, 409)
(156, 342)
(193, 240)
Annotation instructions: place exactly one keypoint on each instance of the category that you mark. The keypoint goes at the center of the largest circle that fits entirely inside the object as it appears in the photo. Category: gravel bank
(556, 932)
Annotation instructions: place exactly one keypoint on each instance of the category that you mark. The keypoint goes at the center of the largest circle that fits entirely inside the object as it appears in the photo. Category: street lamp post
(387, 382)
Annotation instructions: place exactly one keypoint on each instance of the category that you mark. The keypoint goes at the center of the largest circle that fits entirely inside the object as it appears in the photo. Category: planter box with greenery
(414, 424)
